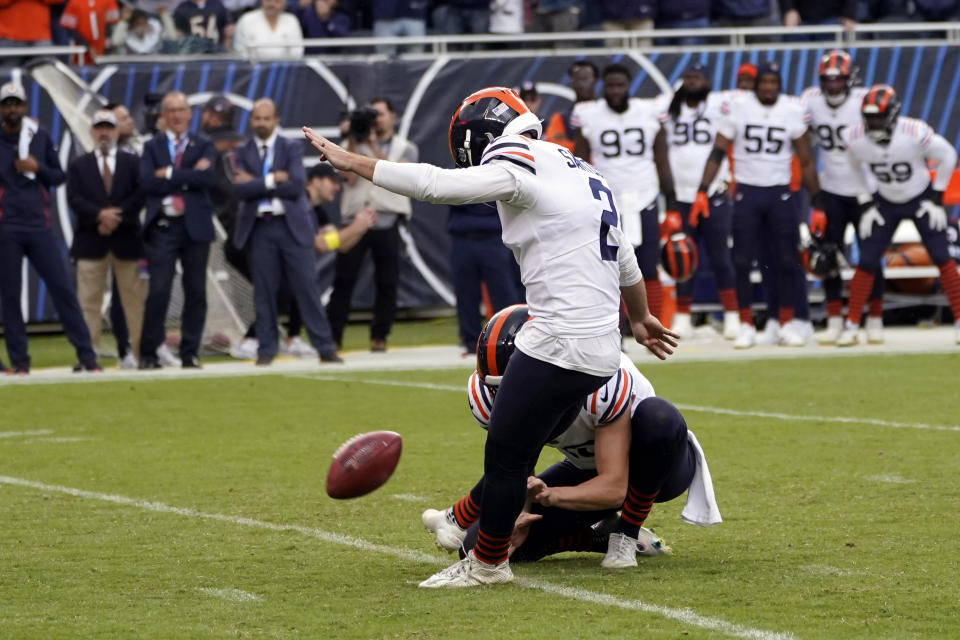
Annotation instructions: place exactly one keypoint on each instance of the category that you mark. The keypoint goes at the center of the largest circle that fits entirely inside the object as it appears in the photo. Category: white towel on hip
(28, 129)
(701, 508)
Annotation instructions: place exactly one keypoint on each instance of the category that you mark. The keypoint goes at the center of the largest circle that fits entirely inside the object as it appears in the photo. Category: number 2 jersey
(830, 126)
(621, 394)
(762, 137)
(559, 219)
(621, 146)
(900, 166)
(690, 139)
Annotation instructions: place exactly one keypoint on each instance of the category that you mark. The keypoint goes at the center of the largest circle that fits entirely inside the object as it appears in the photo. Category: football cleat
(874, 330)
(621, 552)
(731, 325)
(793, 334)
(447, 533)
(166, 357)
(848, 337)
(469, 572)
(298, 348)
(650, 544)
(747, 336)
(771, 333)
(682, 326)
(832, 332)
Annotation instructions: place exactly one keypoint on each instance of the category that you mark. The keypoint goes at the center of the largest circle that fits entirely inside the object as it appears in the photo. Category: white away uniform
(690, 139)
(831, 126)
(560, 220)
(621, 148)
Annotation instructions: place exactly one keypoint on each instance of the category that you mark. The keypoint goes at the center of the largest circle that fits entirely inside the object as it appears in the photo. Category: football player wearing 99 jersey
(833, 109)
(765, 129)
(895, 150)
(625, 449)
(623, 138)
(691, 124)
(560, 219)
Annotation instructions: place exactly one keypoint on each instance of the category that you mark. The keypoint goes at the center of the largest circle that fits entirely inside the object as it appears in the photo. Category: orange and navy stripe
(836, 60)
(512, 149)
(637, 506)
(879, 96)
(487, 360)
(490, 548)
(466, 511)
(480, 398)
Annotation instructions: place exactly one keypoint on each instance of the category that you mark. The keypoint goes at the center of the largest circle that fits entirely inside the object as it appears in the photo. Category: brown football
(363, 463)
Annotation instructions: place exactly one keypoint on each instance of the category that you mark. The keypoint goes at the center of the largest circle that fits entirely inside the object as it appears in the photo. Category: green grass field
(196, 509)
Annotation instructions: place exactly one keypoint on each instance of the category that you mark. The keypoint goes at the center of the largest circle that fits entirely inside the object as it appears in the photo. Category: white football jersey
(621, 146)
(690, 140)
(900, 167)
(762, 137)
(829, 126)
(623, 391)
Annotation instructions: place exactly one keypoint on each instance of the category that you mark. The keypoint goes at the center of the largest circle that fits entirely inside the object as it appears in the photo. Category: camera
(361, 123)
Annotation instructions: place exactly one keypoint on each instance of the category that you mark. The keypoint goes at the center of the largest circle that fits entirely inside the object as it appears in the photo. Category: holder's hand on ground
(659, 340)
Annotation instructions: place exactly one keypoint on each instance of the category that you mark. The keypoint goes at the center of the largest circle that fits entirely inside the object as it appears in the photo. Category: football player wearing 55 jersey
(894, 150)
(625, 449)
(691, 123)
(834, 109)
(623, 138)
(765, 129)
(559, 217)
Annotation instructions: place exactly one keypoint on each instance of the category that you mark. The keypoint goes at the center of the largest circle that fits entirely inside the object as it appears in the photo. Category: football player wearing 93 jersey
(765, 129)
(894, 149)
(626, 449)
(560, 220)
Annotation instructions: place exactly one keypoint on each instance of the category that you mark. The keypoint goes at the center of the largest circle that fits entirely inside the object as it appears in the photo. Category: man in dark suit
(103, 189)
(29, 167)
(278, 226)
(176, 171)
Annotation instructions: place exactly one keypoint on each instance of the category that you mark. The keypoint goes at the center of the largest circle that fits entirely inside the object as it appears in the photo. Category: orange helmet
(484, 116)
(880, 109)
(836, 76)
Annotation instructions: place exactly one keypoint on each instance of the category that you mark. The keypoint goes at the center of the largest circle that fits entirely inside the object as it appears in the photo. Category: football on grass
(363, 463)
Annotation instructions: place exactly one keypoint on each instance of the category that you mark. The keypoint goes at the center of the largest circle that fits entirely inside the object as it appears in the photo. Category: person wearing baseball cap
(29, 168)
(103, 189)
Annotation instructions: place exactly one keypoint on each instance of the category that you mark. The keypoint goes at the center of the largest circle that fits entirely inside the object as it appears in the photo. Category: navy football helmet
(495, 345)
(484, 116)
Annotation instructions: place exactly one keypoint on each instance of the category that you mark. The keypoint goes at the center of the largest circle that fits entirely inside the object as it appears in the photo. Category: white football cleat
(469, 572)
(246, 349)
(447, 533)
(731, 325)
(848, 337)
(166, 357)
(771, 333)
(832, 332)
(298, 348)
(682, 326)
(650, 544)
(128, 361)
(621, 552)
(874, 330)
(793, 334)
(746, 338)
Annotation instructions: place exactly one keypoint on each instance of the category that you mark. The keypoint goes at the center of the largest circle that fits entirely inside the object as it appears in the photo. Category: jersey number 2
(608, 218)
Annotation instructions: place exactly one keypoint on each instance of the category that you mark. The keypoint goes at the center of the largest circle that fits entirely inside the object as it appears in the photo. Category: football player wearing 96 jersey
(625, 449)
(623, 138)
(560, 219)
(834, 109)
(765, 129)
(895, 150)
(691, 125)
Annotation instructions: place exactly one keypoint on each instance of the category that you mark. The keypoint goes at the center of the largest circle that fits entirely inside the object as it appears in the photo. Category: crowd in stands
(138, 27)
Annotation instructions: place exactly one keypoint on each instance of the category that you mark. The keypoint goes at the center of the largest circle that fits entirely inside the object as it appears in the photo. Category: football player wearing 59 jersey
(623, 138)
(765, 128)
(625, 449)
(834, 109)
(691, 123)
(894, 151)
(560, 219)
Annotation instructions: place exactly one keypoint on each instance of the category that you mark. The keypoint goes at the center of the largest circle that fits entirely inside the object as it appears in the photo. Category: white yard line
(792, 417)
(683, 616)
(231, 595)
(25, 434)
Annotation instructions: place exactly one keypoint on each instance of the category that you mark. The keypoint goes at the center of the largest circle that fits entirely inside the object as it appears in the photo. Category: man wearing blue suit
(278, 226)
(176, 171)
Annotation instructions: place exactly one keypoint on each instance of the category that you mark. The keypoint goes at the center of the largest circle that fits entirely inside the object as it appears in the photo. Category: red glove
(671, 224)
(699, 209)
(818, 223)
